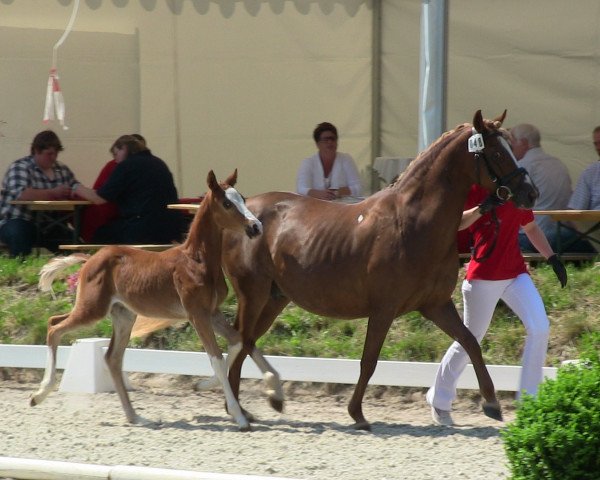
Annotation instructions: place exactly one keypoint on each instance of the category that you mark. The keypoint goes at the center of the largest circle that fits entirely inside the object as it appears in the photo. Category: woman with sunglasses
(328, 174)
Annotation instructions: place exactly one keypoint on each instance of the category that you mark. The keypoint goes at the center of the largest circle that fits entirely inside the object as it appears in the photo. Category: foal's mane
(194, 230)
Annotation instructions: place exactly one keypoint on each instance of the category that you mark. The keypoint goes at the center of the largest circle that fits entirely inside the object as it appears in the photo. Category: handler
(497, 271)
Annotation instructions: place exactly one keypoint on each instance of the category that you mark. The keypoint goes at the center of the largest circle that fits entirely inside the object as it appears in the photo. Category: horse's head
(229, 208)
(489, 143)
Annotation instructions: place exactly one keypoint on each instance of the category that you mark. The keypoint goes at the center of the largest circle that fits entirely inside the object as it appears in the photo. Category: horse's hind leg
(447, 318)
(123, 320)
(377, 329)
(52, 340)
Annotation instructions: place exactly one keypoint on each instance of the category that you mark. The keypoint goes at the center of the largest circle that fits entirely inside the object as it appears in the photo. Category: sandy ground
(312, 439)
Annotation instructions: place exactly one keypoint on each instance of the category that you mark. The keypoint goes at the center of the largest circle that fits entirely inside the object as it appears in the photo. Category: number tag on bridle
(476, 143)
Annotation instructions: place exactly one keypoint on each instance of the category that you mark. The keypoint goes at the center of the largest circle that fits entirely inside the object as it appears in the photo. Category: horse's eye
(227, 203)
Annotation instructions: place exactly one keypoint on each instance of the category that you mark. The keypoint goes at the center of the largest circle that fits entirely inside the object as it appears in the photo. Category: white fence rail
(86, 362)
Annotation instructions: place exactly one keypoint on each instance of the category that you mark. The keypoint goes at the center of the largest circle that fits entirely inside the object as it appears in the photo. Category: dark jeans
(20, 237)
(568, 242)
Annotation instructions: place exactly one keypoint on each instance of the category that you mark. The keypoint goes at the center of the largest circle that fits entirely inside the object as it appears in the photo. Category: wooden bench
(93, 247)
(538, 257)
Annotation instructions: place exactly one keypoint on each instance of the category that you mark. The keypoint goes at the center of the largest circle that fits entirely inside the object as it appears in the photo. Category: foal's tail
(55, 266)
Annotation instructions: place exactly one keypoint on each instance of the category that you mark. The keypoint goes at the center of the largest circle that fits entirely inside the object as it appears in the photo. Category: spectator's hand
(559, 269)
(491, 202)
(61, 192)
(324, 194)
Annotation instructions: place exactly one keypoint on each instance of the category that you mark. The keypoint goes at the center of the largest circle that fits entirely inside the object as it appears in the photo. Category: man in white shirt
(587, 192)
(552, 179)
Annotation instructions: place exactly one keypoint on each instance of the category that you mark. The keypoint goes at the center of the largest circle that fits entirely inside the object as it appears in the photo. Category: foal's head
(493, 155)
(228, 207)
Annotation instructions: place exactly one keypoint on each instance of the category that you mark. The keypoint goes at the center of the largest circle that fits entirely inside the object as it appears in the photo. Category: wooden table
(73, 209)
(188, 207)
(561, 217)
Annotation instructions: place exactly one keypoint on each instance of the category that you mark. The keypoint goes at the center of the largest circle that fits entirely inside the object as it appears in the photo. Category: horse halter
(477, 146)
(503, 191)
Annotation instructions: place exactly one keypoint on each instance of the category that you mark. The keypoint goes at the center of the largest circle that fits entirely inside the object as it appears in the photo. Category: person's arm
(538, 239)
(60, 192)
(580, 198)
(470, 216)
(354, 186)
(86, 193)
(304, 184)
(540, 242)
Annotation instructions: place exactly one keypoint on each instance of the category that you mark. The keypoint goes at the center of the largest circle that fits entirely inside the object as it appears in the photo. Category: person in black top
(142, 186)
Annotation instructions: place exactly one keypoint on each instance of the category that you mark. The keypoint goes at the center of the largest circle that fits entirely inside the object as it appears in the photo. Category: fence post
(86, 370)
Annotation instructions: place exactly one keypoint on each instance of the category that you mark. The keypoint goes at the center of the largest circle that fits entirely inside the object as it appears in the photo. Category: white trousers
(480, 299)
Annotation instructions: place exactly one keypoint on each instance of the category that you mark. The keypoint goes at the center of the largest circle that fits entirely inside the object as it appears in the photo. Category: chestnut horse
(392, 253)
(185, 281)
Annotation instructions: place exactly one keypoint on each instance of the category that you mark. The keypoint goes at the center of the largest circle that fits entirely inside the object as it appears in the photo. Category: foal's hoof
(32, 401)
(363, 425)
(276, 404)
(245, 428)
(492, 410)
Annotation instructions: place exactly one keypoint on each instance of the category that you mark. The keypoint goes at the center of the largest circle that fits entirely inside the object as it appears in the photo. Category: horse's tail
(55, 266)
(145, 325)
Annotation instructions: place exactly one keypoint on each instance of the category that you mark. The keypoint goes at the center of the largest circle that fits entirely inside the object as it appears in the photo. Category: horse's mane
(442, 141)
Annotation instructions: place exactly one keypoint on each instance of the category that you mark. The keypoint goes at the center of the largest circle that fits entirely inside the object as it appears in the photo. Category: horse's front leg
(203, 325)
(234, 340)
(377, 329)
(49, 379)
(447, 318)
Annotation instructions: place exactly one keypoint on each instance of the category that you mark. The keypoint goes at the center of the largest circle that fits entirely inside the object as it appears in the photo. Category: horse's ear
(232, 179)
(498, 121)
(211, 180)
(478, 122)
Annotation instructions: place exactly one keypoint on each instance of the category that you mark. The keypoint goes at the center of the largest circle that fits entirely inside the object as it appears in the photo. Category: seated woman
(95, 216)
(141, 186)
(328, 174)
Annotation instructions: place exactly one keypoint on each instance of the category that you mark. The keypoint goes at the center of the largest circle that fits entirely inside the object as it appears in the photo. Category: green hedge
(556, 434)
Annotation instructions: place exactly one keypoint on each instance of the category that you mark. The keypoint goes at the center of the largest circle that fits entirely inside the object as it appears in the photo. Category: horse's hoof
(363, 425)
(246, 428)
(492, 410)
(32, 402)
(276, 404)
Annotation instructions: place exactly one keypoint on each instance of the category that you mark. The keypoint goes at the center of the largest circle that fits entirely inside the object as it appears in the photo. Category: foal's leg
(447, 318)
(49, 379)
(202, 323)
(274, 390)
(123, 320)
(234, 340)
(377, 329)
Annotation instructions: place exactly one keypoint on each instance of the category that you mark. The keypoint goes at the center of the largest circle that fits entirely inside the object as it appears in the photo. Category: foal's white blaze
(235, 198)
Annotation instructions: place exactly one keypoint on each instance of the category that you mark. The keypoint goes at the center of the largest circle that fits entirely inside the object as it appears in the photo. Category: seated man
(587, 191)
(552, 179)
(39, 176)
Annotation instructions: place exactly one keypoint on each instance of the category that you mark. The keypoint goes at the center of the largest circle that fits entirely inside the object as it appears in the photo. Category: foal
(185, 281)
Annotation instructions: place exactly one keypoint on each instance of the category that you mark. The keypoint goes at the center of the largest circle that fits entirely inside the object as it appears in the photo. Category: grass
(573, 312)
